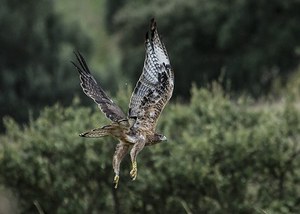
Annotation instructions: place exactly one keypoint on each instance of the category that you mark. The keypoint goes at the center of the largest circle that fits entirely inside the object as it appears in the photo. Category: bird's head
(157, 138)
(161, 137)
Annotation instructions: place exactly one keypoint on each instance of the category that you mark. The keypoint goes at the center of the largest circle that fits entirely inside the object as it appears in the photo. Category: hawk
(151, 93)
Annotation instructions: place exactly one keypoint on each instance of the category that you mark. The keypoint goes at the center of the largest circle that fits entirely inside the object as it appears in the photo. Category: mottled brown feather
(93, 90)
(155, 85)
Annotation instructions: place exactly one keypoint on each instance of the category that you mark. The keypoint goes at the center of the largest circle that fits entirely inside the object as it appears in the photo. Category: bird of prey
(151, 93)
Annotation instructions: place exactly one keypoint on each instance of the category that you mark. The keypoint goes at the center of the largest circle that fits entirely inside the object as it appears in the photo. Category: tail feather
(95, 133)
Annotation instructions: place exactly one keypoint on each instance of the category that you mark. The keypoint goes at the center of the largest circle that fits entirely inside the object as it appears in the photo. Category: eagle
(152, 92)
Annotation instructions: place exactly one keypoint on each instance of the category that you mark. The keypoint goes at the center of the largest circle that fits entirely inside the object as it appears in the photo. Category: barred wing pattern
(93, 90)
(155, 85)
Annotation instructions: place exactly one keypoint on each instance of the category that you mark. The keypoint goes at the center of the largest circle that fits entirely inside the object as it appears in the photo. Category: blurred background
(233, 123)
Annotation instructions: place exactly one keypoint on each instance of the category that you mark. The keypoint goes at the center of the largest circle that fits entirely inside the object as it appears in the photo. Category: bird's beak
(164, 138)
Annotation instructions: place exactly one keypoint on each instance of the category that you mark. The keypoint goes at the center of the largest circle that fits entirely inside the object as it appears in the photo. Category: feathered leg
(133, 154)
(121, 151)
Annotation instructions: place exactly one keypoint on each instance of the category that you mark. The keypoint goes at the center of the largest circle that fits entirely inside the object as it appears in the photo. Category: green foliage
(35, 44)
(252, 42)
(293, 87)
(222, 156)
(112, 7)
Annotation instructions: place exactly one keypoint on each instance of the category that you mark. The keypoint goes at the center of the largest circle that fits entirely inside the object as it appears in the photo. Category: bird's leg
(138, 146)
(121, 151)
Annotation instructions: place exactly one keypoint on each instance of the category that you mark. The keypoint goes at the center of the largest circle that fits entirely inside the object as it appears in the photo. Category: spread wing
(155, 86)
(93, 90)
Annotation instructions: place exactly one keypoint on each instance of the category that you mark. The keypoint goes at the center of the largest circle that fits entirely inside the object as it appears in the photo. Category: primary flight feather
(151, 93)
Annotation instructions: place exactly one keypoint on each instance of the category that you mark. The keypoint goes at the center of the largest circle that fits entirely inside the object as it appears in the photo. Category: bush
(222, 156)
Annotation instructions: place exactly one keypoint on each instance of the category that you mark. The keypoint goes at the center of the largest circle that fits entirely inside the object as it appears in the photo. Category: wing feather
(93, 90)
(155, 85)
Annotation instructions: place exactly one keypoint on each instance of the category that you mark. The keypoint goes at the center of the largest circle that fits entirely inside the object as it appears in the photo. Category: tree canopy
(34, 68)
(247, 43)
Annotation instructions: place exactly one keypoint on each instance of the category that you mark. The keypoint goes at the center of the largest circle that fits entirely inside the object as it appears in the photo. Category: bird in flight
(151, 93)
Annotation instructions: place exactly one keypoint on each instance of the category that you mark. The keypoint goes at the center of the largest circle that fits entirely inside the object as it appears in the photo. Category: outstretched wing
(155, 85)
(93, 90)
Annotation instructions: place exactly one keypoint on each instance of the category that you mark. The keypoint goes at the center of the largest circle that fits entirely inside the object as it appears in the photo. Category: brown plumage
(152, 92)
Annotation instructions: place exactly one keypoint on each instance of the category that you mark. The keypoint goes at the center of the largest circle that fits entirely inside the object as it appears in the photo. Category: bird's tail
(97, 132)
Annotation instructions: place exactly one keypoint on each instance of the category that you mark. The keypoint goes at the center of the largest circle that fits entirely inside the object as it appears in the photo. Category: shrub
(222, 156)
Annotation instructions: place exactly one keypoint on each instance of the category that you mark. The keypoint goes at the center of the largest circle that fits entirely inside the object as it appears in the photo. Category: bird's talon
(133, 172)
(116, 181)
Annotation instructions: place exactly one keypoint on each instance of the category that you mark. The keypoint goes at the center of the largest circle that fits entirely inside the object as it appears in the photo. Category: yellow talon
(116, 181)
(133, 172)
